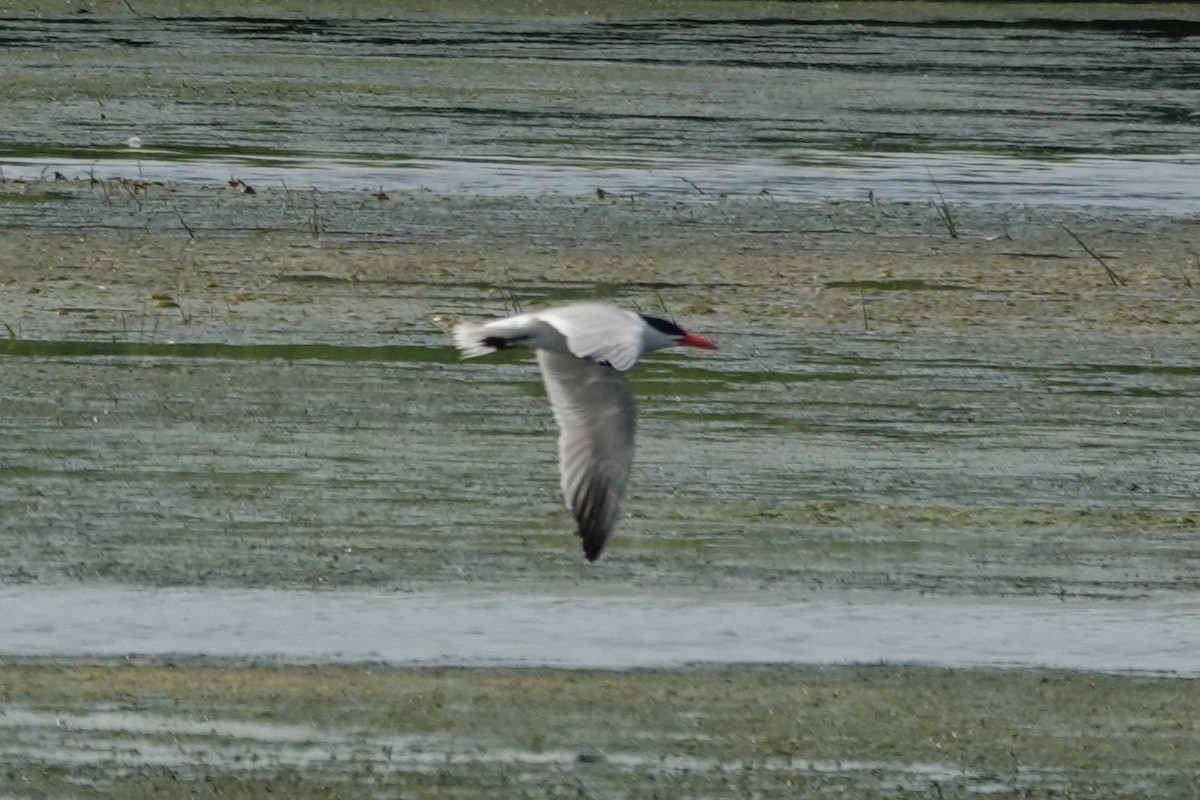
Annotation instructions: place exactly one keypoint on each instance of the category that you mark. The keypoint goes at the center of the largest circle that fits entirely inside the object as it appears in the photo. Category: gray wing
(599, 332)
(596, 415)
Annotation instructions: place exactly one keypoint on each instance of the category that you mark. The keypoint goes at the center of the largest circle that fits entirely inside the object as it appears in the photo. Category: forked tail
(471, 339)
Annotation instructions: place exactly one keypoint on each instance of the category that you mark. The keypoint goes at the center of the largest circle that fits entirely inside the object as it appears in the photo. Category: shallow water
(247, 398)
(1153, 183)
(595, 631)
(802, 103)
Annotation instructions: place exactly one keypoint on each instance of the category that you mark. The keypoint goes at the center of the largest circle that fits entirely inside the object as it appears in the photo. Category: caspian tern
(584, 351)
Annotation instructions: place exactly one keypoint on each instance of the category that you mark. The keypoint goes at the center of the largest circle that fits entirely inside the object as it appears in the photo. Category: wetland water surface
(939, 431)
(234, 390)
(758, 493)
(1009, 105)
(595, 631)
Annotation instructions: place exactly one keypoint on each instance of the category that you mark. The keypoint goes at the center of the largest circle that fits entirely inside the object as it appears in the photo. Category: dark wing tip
(592, 545)
(595, 509)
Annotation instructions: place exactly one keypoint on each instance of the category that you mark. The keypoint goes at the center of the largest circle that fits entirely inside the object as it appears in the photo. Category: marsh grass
(1115, 279)
(944, 211)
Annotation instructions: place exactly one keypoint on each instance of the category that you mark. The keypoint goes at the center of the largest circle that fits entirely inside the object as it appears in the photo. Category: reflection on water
(451, 627)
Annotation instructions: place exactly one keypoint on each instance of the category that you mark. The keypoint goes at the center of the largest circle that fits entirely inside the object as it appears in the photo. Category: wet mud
(930, 406)
(894, 411)
(205, 730)
(890, 408)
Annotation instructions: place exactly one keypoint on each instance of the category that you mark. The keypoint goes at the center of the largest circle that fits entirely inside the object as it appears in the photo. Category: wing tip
(593, 544)
(592, 552)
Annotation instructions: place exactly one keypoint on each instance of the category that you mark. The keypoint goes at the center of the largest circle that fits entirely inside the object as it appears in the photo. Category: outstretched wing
(599, 332)
(596, 415)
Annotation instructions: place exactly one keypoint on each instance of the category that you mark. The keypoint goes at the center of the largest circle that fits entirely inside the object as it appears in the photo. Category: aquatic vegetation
(1115, 279)
(944, 211)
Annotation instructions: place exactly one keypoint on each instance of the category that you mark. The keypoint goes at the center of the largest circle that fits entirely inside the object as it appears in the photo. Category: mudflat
(893, 410)
(188, 729)
(922, 402)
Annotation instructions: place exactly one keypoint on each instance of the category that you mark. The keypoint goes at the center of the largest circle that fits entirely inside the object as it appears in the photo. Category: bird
(584, 351)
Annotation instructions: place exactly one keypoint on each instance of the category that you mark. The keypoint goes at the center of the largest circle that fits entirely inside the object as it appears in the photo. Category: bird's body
(583, 351)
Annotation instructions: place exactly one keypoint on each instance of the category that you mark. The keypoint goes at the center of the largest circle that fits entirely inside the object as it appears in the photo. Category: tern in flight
(584, 351)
